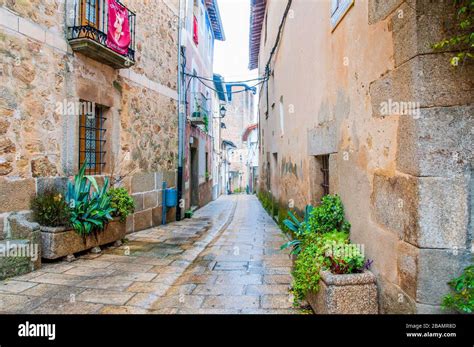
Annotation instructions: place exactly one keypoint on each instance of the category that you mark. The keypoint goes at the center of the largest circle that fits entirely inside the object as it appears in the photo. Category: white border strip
(146, 82)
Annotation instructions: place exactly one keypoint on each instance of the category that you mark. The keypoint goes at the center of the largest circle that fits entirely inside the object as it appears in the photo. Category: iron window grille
(325, 171)
(92, 141)
(91, 21)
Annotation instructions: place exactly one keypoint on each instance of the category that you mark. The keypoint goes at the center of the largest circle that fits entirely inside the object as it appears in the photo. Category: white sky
(231, 57)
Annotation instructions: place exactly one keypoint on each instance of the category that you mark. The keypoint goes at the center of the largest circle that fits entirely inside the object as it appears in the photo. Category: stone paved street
(226, 259)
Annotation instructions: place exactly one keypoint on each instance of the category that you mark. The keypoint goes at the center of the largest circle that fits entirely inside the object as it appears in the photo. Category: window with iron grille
(92, 140)
(325, 171)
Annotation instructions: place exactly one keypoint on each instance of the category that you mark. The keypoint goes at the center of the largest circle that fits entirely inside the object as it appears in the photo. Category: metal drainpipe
(181, 114)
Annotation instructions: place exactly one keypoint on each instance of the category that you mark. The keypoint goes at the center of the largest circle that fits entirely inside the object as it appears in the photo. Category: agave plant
(298, 229)
(90, 211)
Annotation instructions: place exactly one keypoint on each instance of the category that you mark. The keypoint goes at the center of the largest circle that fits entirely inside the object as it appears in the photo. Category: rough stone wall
(430, 183)
(406, 181)
(39, 145)
(156, 43)
(239, 116)
(47, 13)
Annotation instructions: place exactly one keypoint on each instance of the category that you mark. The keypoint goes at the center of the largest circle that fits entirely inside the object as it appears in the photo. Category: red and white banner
(118, 33)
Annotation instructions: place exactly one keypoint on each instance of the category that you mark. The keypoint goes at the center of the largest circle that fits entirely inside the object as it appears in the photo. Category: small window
(90, 13)
(339, 8)
(325, 171)
(282, 116)
(92, 140)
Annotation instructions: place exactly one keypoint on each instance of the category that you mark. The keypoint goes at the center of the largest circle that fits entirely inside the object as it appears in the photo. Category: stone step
(20, 252)
(17, 257)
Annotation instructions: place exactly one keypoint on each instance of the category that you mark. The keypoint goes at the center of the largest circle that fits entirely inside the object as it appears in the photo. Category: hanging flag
(118, 32)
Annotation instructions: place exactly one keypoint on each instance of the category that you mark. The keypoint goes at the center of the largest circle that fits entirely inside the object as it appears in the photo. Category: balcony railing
(88, 28)
(199, 109)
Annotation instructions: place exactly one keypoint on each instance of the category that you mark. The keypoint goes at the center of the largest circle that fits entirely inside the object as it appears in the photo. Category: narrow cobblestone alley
(226, 259)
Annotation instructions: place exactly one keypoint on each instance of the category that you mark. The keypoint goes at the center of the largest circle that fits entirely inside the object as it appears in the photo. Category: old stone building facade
(201, 27)
(42, 74)
(240, 114)
(404, 175)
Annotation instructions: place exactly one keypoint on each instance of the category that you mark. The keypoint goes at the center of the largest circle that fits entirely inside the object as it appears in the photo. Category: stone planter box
(345, 294)
(60, 242)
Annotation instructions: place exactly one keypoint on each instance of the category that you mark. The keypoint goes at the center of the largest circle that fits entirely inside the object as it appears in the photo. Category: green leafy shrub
(330, 251)
(121, 202)
(50, 209)
(297, 228)
(329, 216)
(344, 258)
(282, 215)
(266, 201)
(325, 218)
(462, 298)
(306, 271)
(90, 210)
(206, 123)
(463, 41)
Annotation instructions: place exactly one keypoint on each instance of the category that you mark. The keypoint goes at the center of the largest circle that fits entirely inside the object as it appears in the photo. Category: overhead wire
(226, 82)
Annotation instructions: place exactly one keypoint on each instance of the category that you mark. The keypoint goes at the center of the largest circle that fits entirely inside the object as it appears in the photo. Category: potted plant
(197, 107)
(329, 272)
(346, 285)
(122, 203)
(297, 230)
(89, 223)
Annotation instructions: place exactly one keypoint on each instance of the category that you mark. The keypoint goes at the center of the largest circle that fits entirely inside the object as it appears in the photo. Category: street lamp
(222, 111)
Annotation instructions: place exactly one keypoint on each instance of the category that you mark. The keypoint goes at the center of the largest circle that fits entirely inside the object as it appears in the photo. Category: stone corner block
(381, 9)
(393, 299)
(143, 182)
(444, 212)
(150, 199)
(143, 220)
(428, 212)
(416, 27)
(138, 199)
(436, 267)
(425, 148)
(323, 139)
(21, 226)
(423, 81)
(23, 190)
(395, 204)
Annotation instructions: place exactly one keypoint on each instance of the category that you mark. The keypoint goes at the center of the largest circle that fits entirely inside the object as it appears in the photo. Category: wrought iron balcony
(103, 30)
